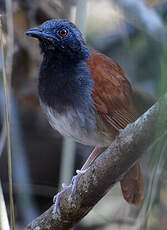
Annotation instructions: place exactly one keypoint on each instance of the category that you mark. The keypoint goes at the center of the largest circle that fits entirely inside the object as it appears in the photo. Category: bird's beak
(37, 33)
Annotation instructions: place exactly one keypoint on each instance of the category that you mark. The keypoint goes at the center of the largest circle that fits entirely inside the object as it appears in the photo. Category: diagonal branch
(106, 170)
(143, 17)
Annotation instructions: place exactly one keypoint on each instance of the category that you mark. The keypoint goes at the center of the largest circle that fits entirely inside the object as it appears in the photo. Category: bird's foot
(57, 197)
(75, 180)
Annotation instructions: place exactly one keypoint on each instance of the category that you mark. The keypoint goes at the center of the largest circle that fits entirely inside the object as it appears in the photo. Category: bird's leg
(75, 179)
(84, 168)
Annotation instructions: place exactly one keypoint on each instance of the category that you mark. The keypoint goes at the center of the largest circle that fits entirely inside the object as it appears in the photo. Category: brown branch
(106, 170)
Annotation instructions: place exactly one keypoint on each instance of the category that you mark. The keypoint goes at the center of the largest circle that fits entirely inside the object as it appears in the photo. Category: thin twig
(8, 131)
(10, 40)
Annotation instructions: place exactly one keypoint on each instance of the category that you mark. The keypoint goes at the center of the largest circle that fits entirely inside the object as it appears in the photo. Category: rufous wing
(112, 95)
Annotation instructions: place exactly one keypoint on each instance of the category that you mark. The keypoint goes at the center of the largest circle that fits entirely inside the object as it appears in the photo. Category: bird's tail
(132, 185)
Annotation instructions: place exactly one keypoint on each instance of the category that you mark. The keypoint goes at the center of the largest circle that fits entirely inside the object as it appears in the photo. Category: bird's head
(62, 37)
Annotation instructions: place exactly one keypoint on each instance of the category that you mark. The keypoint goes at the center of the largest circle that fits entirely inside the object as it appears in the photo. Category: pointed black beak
(37, 33)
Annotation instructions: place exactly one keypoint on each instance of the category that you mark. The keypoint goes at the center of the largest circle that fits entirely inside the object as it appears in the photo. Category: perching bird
(85, 95)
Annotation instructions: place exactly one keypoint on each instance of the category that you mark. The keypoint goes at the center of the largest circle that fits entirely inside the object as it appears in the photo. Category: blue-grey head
(62, 37)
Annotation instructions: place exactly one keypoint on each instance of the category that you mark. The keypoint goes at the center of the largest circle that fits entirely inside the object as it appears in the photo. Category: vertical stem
(8, 131)
(67, 8)
(67, 161)
(10, 39)
(81, 13)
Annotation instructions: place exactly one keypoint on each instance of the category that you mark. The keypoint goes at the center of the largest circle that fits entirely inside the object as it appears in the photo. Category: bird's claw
(81, 171)
(57, 197)
(75, 180)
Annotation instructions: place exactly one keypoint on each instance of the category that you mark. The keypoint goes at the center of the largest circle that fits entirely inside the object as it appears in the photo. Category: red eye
(63, 32)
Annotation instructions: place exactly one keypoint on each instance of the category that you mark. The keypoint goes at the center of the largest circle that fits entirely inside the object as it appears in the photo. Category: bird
(85, 96)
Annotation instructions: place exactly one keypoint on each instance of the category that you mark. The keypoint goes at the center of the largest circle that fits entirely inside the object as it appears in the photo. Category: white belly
(75, 125)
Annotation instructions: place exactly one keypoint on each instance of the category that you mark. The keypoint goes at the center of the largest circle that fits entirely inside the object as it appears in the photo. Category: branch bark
(106, 170)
